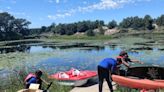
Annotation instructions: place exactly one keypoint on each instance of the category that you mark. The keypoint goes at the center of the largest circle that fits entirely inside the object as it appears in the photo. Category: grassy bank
(15, 81)
(125, 89)
(80, 37)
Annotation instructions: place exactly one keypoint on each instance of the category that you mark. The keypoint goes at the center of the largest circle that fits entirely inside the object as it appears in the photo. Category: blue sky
(45, 12)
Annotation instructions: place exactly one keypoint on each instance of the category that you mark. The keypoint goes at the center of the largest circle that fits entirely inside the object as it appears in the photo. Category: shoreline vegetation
(15, 81)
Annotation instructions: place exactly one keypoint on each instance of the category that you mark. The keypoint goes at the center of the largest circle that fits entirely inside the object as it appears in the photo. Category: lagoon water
(85, 54)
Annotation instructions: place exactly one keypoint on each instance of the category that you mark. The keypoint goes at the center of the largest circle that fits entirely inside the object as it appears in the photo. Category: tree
(148, 22)
(82, 27)
(90, 33)
(70, 29)
(101, 30)
(112, 24)
(60, 29)
(43, 29)
(137, 23)
(6, 22)
(21, 26)
(99, 23)
(12, 28)
(126, 23)
(160, 20)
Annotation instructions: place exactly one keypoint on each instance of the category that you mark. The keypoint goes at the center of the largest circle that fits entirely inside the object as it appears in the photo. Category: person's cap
(122, 53)
(38, 72)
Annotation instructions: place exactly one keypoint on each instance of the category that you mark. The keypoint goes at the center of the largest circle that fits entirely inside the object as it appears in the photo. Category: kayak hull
(75, 80)
(148, 72)
(141, 77)
(138, 83)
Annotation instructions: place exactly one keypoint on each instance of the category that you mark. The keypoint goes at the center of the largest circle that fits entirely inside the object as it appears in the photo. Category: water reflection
(88, 60)
(17, 43)
(19, 48)
(161, 49)
(144, 44)
(142, 48)
(31, 47)
(34, 49)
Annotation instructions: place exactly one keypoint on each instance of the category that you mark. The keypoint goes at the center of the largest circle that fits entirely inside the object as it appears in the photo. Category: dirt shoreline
(93, 88)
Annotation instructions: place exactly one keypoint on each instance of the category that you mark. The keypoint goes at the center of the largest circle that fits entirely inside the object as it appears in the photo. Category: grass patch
(11, 60)
(15, 81)
(125, 89)
(80, 37)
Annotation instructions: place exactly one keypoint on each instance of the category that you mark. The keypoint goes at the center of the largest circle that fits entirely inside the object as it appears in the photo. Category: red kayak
(138, 83)
(74, 77)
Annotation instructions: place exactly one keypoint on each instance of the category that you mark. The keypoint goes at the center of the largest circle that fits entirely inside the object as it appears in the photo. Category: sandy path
(93, 88)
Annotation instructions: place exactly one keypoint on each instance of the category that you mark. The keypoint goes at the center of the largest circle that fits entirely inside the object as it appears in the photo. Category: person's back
(34, 79)
(108, 63)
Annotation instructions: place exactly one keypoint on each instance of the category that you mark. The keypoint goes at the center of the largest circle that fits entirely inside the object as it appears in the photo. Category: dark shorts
(103, 73)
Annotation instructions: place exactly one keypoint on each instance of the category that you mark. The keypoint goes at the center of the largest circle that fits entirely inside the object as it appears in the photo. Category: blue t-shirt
(32, 80)
(108, 63)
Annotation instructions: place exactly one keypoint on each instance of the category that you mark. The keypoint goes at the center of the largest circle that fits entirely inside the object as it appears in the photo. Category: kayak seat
(63, 75)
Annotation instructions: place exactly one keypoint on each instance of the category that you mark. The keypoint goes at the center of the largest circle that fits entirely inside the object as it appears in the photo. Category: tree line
(17, 28)
(135, 23)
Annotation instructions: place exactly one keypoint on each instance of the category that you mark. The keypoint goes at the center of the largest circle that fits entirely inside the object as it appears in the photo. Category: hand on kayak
(111, 79)
(141, 62)
(129, 66)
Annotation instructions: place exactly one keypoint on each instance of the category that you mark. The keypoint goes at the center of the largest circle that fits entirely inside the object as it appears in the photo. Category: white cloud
(57, 1)
(51, 1)
(84, 2)
(65, 1)
(8, 7)
(19, 14)
(54, 1)
(60, 15)
(13, 1)
(14, 13)
(41, 19)
(102, 5)
(1, 11)
(10, 1)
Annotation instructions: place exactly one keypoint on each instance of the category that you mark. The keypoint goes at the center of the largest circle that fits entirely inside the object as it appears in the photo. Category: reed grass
(15, 81)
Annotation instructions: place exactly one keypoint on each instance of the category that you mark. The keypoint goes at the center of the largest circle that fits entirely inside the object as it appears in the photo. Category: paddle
(48, 87)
